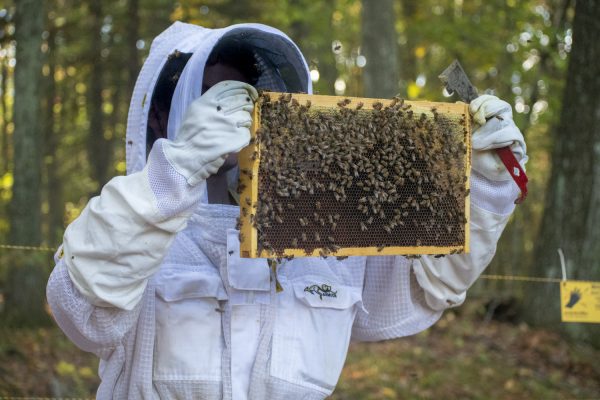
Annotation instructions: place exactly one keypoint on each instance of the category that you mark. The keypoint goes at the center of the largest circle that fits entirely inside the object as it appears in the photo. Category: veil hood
(282, 66)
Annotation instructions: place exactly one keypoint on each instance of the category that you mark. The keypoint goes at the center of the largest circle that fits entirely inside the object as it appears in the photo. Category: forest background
(67, 71)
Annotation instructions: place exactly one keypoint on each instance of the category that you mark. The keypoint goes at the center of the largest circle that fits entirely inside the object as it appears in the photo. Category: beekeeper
(149, 276)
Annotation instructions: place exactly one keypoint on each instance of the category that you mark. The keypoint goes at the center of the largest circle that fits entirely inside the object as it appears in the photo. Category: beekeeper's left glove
(216, 124)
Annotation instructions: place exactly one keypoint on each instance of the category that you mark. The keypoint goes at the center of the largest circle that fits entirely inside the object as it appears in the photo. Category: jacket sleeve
(98, 330)
(446, 280)
(405, 296)
(394, 303)
(111, 250)
(493, 192)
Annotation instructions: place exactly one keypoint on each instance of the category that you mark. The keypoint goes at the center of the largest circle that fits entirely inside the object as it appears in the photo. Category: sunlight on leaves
(413, 90)
(64, 368)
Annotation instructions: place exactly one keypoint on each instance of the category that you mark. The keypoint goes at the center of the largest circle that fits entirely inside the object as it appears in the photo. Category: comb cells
(333, 176)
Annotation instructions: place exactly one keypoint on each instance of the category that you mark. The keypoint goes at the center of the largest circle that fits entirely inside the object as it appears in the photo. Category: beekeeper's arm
(493, 192)
(121, 236)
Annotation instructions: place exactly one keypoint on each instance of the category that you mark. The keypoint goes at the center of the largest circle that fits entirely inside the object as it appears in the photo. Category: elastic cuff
(174, 196)
(494, 196)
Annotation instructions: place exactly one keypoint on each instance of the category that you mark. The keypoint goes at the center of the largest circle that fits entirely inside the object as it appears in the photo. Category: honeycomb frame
(250, 158)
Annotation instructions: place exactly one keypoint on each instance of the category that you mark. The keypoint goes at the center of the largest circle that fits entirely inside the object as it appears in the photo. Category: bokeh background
(67, 70)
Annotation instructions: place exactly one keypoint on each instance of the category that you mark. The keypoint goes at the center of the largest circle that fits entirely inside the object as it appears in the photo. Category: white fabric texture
(173, 195)
(118, 242)
(446, 280)
(137, 120)
(149, 283)
(273, 48)
(496, 129)
(497, 197)
(216, 124)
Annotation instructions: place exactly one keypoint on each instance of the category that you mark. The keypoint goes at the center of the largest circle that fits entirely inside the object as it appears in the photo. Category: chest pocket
(189, 339)
(312, 332)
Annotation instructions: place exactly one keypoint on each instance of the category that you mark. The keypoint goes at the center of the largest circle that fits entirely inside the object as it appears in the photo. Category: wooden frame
(249, 235)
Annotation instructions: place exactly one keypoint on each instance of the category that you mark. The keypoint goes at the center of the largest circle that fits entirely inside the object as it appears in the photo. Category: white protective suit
(149, 277)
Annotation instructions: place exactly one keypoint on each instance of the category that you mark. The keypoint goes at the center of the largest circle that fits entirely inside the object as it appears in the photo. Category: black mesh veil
(279, 62)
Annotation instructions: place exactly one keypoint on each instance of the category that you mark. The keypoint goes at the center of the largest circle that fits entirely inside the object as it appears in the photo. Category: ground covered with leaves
(462, 357)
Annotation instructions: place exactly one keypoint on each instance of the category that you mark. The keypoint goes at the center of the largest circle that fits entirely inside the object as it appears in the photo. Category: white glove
(446, 280)
(494, 133)
(215, 125)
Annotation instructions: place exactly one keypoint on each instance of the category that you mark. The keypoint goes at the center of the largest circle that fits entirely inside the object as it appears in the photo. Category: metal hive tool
(334, 176)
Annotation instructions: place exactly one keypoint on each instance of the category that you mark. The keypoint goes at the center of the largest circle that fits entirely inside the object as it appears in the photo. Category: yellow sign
(580, 301)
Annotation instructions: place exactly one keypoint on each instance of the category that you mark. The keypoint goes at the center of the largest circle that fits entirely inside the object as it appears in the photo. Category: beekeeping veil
(281, 66)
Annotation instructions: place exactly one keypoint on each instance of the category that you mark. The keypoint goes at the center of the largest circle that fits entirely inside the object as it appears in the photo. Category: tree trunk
(133, 31)
(571, 218)
(25, 205)
(99, 148)
(380, 47)
(54, 190)
(407, 54)
(4, 142)
(26, 277)
(327, 64)
(300, 31)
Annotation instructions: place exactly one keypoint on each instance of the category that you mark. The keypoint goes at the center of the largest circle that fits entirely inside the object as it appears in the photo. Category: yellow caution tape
(34, 248)
(521, 278)
(485, 276)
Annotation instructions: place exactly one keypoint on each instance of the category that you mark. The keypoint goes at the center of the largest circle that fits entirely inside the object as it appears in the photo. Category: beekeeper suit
(149, 276)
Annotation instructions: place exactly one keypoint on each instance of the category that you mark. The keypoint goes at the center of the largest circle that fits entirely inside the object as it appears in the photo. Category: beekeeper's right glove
(494, 128)
(215, 125)
(446, 280)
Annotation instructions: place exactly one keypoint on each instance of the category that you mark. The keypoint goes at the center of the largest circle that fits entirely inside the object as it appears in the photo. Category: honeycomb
(326, 175)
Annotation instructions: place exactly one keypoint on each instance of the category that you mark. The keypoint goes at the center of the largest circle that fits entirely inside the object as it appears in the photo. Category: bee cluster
(356, 176)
